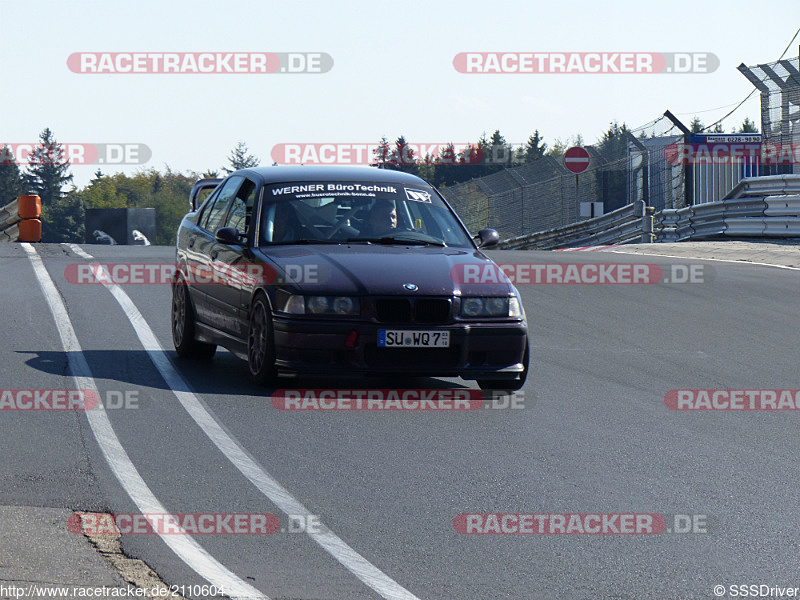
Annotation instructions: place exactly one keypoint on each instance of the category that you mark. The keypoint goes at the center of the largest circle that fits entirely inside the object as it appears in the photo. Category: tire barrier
(20, 220)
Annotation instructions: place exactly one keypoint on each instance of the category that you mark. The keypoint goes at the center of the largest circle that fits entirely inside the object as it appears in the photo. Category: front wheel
(260, 344)
(183, 325)
(511, 385)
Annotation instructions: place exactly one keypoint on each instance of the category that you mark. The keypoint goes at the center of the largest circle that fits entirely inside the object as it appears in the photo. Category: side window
(216, 214)
(205, 208)
(242, 208)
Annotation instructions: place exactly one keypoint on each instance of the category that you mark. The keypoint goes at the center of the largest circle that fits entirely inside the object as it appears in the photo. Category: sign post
(577, 160)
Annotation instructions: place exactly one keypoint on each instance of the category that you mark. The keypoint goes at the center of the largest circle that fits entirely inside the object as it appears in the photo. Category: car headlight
(317, 305)
(489, 307)
(343, 305)
(295, 305)
(322, 305)
(472, 307)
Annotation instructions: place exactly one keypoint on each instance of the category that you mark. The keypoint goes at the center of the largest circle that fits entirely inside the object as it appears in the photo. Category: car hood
(361, 269)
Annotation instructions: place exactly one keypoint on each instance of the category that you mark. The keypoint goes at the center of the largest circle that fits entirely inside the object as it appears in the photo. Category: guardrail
(757, 207)
(631, 223)
(19, 220)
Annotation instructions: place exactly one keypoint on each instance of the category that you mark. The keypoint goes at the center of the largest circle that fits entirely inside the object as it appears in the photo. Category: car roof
(282, 174)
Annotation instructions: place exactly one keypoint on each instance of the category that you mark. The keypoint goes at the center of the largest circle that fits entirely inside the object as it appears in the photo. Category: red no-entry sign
(577, 159)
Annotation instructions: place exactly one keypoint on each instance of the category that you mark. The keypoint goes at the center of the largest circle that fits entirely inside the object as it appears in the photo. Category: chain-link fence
(543, 194)
(629, 165)
(779, 85)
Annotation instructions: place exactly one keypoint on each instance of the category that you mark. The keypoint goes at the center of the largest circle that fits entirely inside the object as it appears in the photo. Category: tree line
(47, 174)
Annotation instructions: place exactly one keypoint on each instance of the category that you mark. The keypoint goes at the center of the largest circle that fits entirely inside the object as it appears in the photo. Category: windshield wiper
(398, 240)
(302, 241)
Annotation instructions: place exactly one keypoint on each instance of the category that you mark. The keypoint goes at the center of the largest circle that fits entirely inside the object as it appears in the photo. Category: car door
(230, 261)
(204, 251)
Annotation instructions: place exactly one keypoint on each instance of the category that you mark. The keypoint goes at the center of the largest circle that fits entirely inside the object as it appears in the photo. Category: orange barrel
(29, 207)
(30, 230)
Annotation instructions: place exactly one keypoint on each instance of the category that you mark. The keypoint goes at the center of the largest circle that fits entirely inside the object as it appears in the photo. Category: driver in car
(382, 220)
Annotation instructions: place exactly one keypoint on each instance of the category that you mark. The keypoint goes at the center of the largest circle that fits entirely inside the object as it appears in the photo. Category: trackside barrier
(631, 223)
(19, 220)
(757, 207)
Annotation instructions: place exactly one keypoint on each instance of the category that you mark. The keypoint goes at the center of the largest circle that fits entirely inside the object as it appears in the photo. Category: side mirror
(228, 236)
(487, 238)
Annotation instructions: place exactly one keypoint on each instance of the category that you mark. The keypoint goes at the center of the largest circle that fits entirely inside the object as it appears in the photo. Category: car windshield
(358, 212)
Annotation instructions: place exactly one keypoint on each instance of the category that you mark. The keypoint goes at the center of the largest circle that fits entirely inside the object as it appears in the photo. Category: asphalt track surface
(594, 437)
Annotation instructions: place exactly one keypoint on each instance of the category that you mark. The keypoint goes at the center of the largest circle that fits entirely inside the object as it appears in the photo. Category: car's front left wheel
(260, 343)
(183, 325)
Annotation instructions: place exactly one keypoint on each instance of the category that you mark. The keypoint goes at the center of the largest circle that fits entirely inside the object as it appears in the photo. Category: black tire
(183, 330)
(261, 343)
(511, 385)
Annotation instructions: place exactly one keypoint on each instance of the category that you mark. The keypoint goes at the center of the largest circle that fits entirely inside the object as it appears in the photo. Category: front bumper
(477, 350)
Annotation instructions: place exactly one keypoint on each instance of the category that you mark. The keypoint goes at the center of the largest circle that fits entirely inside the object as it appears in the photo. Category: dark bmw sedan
(334, 270)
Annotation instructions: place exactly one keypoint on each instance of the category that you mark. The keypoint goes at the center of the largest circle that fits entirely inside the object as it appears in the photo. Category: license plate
(398, 338)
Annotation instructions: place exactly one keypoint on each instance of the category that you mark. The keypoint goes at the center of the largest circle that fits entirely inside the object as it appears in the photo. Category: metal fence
(779, 85)
(539, 195)
(543, 195)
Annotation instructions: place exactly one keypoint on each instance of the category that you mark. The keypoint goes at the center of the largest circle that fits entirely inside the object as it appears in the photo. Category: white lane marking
(586, 248)
(77, 250)
(725, 260)
(187, 549)
(359, 566)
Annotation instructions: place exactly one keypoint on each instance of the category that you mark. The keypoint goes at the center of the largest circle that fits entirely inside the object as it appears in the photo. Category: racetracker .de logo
(27, 400)
(736, 400)
(196, 274)
(350, 153)
(579, 274)
(732, 153)
(647, 63)
(559, 524)
(173, 524)
(199, 63)
(75, 154)
(380, 400)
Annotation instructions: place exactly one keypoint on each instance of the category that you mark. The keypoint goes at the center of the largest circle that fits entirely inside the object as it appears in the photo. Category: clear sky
(392, 75)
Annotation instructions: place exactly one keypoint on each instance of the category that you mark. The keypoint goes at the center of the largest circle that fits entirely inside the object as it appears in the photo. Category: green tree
(167, 192)
(46, 176)
(747, 126)
(403, 158)
(11, 182)
(696, 126)
(382, 152)
(63, 219)
(613, 145)
(560, 146)
(446, 166)
(48, 171)
(535, 148)
(612, 176)
(240, 159)
(500, 153)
